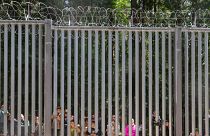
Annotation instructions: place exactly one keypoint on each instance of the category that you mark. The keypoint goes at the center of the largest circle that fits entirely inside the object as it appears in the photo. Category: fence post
(47, 79)
(178, 82)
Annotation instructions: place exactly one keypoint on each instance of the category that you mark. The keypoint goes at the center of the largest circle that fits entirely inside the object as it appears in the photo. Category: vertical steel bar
(19, 76)
(163, 85)
(178, 82)
(186, 86)
(116, 82)
(62, 83)
(206, 85)
(96, 80)
(193, 80)
(123, 82)
(170, 81)
(5, 77)
(48, 79)
(110, 84)
(76, 78)
(130, 82)
(26, 77)
(40, 79)
(137, 80)
(0, 66)
(103, 83)
(83, 81)
(200, 82)
(157, 81)
(69, 83)
(12, 78)
(143, 85)
(150, 84)
(55, 81)
(33, 77)
(89, 78)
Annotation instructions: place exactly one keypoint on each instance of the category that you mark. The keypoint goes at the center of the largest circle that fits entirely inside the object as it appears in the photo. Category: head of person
(37, 120)
(22, 117)
(59, 110)
(154, 114)
(66, 114)
(2, 107)
(113, 117)
(86, 121)
(196, 132)
(166, 123)
(133, 122)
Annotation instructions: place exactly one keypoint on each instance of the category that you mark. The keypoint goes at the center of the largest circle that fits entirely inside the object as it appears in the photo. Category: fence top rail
(22, 21)
(108, 28)
(196, 29)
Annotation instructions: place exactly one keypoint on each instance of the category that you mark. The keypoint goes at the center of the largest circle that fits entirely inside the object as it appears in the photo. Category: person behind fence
(37, 124)
(2, 119)
(156, 122)
(93, 131)
(133, 129)
(113, 126)
(58, 118)
(74, 128)
(196, 133)
(65, 122)
(86, 127)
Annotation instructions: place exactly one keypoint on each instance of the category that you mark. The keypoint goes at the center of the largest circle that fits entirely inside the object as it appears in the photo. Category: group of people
(74, 128)
(23, 123)
(77, 129)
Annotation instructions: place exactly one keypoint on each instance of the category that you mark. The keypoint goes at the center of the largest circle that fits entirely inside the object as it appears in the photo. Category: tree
(121, 4)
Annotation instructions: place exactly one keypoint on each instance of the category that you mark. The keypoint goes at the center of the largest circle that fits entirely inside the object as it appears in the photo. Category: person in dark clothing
(167, 127)
(93, 130)
(65, 123)
(156, 122)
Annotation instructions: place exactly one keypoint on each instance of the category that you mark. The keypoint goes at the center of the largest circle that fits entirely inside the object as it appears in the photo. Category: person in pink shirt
(133, 126)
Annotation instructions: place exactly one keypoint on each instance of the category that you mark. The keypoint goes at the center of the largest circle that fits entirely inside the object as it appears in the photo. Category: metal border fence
(79, 71)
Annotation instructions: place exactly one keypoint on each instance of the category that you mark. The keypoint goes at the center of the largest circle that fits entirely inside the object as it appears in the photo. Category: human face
(113, 117)
(22, 117)
(196, 133)
(58, 111)
(167, 124)
(37, 120)
(133, 122)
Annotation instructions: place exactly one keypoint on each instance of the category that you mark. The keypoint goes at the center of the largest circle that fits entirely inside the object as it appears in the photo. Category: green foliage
(122, 4)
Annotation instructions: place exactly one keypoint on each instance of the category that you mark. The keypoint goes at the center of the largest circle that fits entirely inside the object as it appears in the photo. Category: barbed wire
(99, 16)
